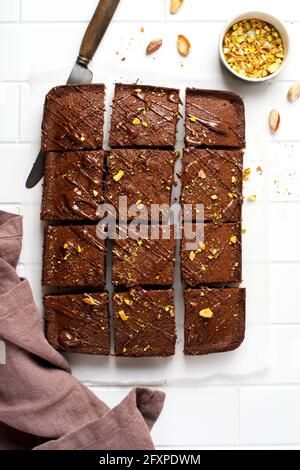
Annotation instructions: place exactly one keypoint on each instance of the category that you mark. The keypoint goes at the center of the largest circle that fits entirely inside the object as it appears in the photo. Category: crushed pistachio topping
(233, 179)
(95, 193)
(252, 197)
(140, 242)
(214, 197)
(202, 294)
(67, 256)
(244, 230)
(119, 175)
(193, 119)
(128, 301)
(145, 124)
(66, 245)
(206, 313)
(79, 249)
(136, 122)
(123, 315)
(253, 48)
(82, 138)
(230, 195)
(89, 300)
(202, 174)
(202, 245)
(233, 239)
(192, 255)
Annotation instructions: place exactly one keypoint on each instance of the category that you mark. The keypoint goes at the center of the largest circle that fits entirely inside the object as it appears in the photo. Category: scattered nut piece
(274, 120)
(202, 246)
(183, 45)
(192, 255)
(140, 242)
(193, 119)
(145, 124)
(123, 315)
(252, 198)
(128, 301)
(175, 6)
(246, 174)
(214, 197)
(202, 174)
(66, 245)
(136, 122)
(119, 175)
(153, 46)
(294, 92)
(95, 193)
(89, 300)
(142, 29)
(79, 249)
(206, 313)
(233, 239)
(244, 230)
(82, 138)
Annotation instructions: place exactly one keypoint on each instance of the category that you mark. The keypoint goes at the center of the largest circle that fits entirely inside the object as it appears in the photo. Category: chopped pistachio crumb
(193, 119)
(206, 313)
(119, 175)
(88, 300)
(192, 255)
(233, 239)
(214, 197)
(244, 230)
(145, 124)
(140, 242)
(95, 193)
(82, 138)
(79, 249)
(66, 245)
(136, 122)
(252, 197)
(123, 315)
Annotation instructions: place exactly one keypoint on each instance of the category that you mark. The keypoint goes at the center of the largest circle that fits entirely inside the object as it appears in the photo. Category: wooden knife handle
(97, 28)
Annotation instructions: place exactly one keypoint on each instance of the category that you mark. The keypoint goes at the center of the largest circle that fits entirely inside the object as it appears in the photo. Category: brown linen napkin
(42, 406)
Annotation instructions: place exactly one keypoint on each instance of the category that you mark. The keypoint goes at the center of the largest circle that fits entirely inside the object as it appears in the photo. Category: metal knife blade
(81, 74)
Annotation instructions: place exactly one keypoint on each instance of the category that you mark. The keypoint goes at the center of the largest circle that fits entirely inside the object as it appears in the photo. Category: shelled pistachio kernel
(253, 48)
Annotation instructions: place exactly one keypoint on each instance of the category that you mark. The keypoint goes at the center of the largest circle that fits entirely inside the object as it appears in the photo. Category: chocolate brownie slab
(73, 256)
(144, 116)
(73, 185)
(78, 323)
(144, 323)
(214, 320)
(73, 118)
(214, 119)
(213, 178)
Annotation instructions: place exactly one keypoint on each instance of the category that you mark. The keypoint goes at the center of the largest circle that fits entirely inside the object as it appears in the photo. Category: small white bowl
(264, 17)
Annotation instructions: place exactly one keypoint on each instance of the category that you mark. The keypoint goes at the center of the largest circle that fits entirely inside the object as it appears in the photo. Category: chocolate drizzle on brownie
(144, 323)
(78, 322)
(144, 116)
(73, 118)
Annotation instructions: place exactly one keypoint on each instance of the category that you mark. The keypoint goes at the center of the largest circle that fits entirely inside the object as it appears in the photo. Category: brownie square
(144, 116)
(145, 177)
(73, 185)
(217, 260)
(73, 118)
(214, 320)
(144, 323)
(214, 119)
(144, 262)
(213, 178)
(73, 256)
(78, 323)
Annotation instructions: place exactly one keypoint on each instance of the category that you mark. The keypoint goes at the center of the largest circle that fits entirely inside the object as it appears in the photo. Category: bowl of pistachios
(254, 46)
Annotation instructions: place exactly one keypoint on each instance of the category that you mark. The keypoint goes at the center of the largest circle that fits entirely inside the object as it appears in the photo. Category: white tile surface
(285, 232)
(284, 298)
(269, 415)
(9, 10)
(44, 45)
(9, 112)
(72, 10)
(194, 415)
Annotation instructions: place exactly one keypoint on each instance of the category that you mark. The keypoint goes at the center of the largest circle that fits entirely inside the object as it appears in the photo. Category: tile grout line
(238, 416)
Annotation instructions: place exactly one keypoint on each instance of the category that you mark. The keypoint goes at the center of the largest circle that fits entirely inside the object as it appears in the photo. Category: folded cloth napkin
(42, 407)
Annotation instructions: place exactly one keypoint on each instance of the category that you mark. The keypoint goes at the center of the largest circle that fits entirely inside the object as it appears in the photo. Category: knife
(81, 74)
